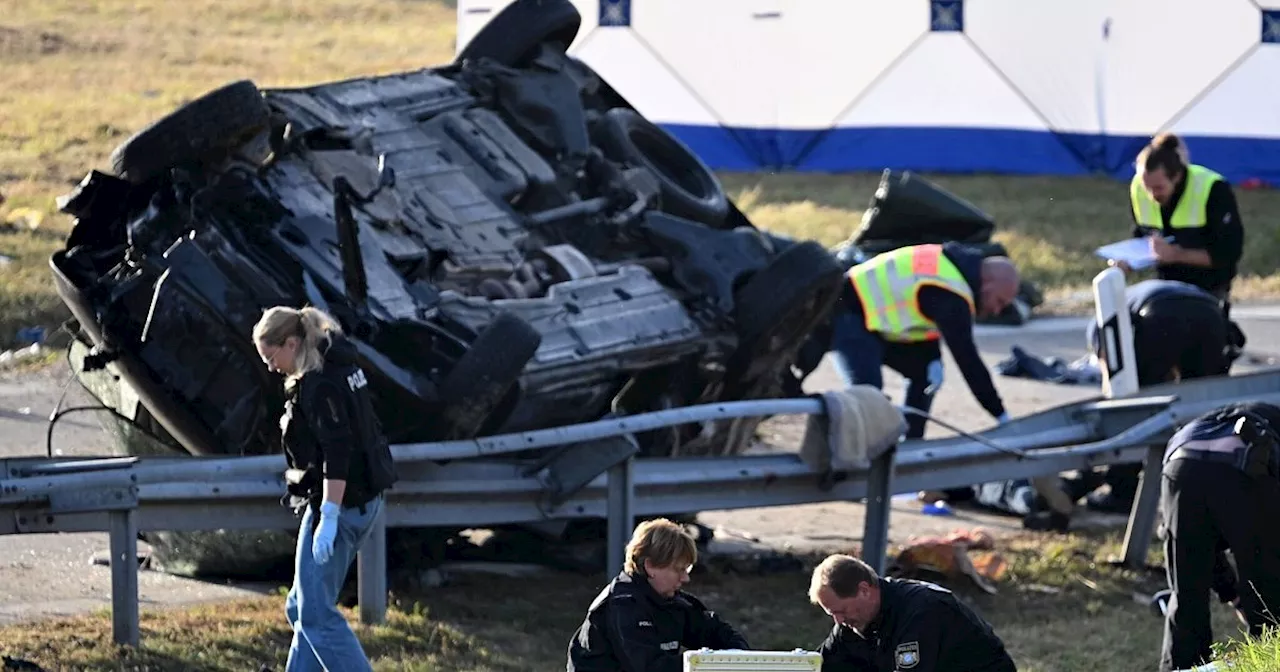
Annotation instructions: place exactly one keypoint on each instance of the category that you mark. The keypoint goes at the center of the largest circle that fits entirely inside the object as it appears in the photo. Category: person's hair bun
(1167, 141)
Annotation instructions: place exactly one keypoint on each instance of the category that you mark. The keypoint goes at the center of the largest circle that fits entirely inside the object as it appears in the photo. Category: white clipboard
(1135, 252)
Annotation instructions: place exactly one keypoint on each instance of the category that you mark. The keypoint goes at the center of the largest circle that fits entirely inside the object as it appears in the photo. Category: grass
(1061, 608)
(83, 74)
(1262, 655)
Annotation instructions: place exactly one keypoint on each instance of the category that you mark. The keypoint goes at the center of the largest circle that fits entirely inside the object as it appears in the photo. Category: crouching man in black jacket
(642, 619)
(890, 625)
(1220, 488)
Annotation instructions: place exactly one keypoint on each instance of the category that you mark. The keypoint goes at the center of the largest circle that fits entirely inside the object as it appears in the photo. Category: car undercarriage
(509, 244)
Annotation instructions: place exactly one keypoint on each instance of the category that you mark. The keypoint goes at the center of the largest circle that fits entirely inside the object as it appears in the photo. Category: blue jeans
(858, 356)
(322, 640)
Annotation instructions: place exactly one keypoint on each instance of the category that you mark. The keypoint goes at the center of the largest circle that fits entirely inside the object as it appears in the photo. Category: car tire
(514, 35)
(481, 381)
(218, 120)
(781, 304)
(689, 189)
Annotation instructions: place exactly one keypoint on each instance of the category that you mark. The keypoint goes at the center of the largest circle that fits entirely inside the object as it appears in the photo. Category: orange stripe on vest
(924, 259)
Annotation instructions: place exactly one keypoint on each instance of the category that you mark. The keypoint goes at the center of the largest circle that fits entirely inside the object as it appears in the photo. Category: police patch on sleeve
(907, 655)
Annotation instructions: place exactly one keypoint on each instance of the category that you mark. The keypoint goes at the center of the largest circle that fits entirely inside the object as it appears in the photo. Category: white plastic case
(708, 660)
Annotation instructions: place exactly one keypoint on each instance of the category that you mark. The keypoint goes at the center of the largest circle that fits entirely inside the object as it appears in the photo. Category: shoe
(1080, 487)
(1052, 493)
(1108, 503)
(1047, 521)
(1160, 602)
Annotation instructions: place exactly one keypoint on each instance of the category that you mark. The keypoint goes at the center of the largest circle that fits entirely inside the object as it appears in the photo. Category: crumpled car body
(509, 244)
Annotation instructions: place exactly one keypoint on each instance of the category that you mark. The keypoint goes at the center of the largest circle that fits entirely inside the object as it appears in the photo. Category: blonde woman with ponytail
(296, 339)
(339, 466)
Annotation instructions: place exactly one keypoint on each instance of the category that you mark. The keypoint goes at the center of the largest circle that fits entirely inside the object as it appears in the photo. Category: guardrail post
(1142, 518)
(621, 512)
(123, 531)
(371, 573)
(875, 533)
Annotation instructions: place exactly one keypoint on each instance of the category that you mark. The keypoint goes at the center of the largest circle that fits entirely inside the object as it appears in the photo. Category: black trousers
(911, 361)
(1187, 334)
(1208, 506)
(1183, 333)
(859, 357)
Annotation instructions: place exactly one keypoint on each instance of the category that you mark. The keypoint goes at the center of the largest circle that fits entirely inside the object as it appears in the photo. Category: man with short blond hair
(642, 619)
(892, 625)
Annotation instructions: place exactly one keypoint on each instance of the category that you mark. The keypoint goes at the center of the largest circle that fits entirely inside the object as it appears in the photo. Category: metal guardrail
(124, 496)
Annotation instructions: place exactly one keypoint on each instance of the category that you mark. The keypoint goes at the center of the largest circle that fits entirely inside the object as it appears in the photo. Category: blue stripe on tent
(1238, 159)
(724, 149)
(943, 150)
(962, 150)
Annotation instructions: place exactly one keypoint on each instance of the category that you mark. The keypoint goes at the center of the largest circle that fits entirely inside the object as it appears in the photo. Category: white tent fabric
(1004, 86)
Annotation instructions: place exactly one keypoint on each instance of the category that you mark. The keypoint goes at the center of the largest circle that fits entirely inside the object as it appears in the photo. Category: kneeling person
(642, 619)
(1180, 332)
(885, 625)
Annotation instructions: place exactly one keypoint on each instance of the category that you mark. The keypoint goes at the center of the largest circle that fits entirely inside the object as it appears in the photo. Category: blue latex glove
(934, 374)
(322, 540)
(1002, 418)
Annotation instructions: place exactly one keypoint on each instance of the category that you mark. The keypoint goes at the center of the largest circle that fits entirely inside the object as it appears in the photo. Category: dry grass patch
(82, 75)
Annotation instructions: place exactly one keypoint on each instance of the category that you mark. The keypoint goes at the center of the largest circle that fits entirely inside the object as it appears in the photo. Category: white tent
(1004, 86)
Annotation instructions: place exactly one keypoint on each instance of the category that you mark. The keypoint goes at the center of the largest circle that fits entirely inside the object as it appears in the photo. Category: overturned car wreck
(508, 242)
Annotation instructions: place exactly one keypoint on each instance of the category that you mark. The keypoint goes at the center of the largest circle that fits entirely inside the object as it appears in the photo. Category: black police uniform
(921, 627)
(631, 628)
(1176, 325)
(1220, 489)
(330, 431)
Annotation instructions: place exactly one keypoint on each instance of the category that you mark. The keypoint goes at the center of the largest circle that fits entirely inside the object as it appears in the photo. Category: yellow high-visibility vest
(888, 286)
(1188, 214)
